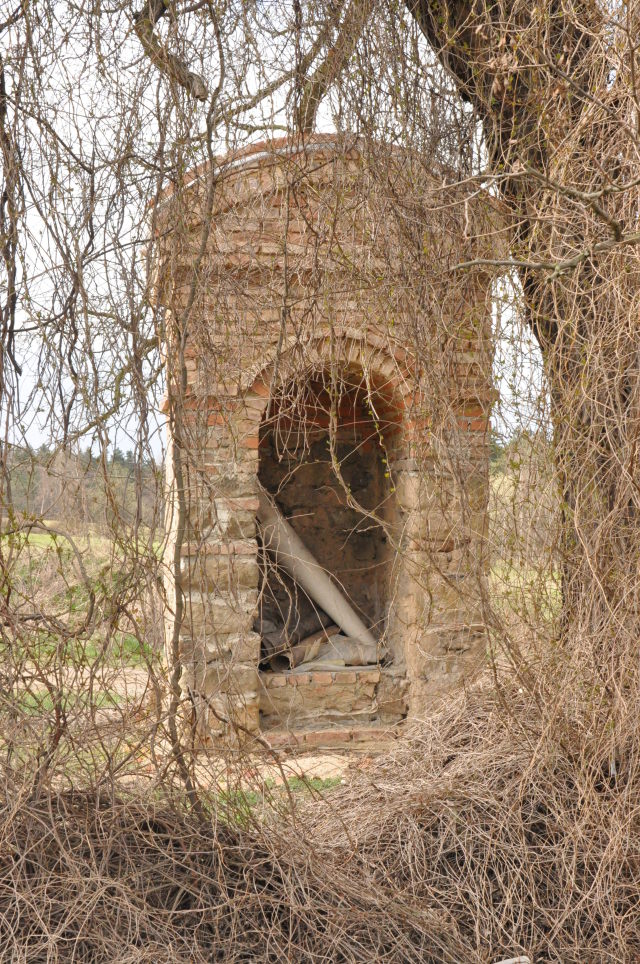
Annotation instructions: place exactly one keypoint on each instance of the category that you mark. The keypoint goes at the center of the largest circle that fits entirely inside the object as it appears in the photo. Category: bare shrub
(462, 845)
(508, 821)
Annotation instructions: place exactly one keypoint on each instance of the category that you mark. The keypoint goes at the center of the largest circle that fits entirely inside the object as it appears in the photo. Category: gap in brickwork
(325, 450)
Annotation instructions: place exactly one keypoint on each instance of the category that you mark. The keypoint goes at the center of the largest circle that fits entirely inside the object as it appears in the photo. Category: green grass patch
(313, 784)
(122, 650)
(41, 703)
(238, 806)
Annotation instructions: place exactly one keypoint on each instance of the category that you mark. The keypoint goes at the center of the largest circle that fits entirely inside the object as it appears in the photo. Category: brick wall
(319, 266)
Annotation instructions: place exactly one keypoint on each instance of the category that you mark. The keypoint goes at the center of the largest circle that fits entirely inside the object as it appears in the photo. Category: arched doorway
(327, 448)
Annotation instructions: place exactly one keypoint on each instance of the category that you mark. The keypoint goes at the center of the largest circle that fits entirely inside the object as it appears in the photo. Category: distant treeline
(79, 488)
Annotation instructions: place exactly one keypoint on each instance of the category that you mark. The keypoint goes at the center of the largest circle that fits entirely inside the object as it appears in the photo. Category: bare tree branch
(170, 64)
(338, 55)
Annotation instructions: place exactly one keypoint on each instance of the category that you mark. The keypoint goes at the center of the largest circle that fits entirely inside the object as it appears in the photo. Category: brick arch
(389, 374)
(391, 369)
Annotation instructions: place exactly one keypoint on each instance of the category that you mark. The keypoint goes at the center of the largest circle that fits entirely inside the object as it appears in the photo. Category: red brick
(325, 737)
(259, 388)
(216, 418)
(277, 738)
(360, 733)
(479, 424)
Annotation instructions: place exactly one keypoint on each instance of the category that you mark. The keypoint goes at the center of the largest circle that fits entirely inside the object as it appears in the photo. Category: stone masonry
(323, 342)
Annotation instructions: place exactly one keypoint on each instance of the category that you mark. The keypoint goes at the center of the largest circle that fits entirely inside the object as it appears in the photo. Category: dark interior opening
(324, 455)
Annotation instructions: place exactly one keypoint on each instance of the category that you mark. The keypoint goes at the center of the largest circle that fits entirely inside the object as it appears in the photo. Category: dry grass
(478, 838)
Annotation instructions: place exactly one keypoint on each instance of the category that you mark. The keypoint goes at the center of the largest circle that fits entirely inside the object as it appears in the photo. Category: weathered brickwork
(332, 354)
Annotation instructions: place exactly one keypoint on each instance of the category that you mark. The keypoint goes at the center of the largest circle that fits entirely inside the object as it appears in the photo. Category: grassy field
(102, 645)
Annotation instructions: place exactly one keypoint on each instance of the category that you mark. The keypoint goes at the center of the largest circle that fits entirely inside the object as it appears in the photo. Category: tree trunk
(559, 123)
